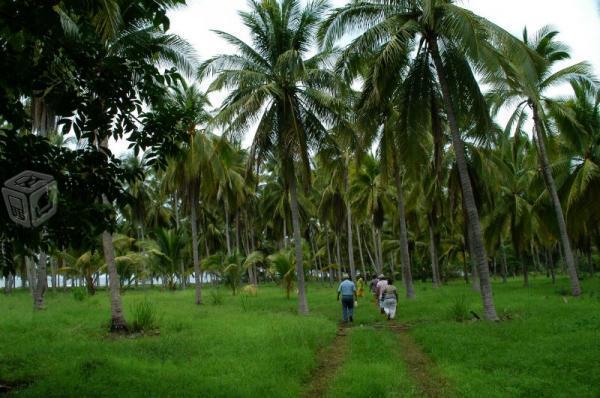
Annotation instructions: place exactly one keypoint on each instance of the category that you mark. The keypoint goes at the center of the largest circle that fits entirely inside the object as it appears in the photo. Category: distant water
(100, 283)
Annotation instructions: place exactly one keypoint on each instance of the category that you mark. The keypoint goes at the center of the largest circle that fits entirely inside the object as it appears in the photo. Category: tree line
(379, 156)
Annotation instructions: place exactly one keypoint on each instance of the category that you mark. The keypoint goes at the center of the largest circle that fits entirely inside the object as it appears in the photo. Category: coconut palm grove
(382, 198)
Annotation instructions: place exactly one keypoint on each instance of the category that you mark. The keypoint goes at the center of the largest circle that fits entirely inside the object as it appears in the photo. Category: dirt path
(331, 358)
(420, 367)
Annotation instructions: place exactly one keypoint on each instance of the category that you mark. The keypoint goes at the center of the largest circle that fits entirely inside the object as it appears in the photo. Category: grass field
(547, 346)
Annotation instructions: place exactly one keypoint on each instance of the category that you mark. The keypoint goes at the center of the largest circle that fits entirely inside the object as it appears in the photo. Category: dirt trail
(331, 358)
(420, 367)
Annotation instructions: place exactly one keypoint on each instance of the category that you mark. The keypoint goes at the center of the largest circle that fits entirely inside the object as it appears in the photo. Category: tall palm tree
(189, 171)
(272, 82)
(455, 40)
(337, 156)
(525, 81)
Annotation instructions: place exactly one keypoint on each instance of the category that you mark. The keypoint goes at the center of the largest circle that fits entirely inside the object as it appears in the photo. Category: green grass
(258, 346)
(373, 367)
(548, 347)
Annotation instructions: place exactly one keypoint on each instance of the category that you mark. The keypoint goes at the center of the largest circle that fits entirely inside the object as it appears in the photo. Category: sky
(578, 22)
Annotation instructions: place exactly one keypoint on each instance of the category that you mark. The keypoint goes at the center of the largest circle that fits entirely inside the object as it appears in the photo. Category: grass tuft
(145, 316)
(216, 297)
(459, 310)
(79, 293)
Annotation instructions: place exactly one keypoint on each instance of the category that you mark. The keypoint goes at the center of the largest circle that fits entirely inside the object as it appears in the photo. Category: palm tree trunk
(551, 265)
(237, 232)
(195, 255)
(117, 318)
(302, 303)
(433, 253)
(371, 259)
(551, 186)
(43, 121)
(379, 248)
(349, 226)
(378, 264)
(329, 272)
(469, 199)
(41, 283)
(404, 253)
(360, 253)
(504, 265)
(285, 242)
(339, 257)
(227, 239)
(30, 268)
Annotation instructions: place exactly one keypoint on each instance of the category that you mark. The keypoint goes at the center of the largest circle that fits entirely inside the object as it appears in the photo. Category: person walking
(373, 286)
(390, 299)
(360, 286)
(347, 290)
(379, 291)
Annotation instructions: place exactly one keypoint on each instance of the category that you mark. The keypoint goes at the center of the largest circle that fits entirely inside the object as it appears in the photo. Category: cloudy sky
(577, 20)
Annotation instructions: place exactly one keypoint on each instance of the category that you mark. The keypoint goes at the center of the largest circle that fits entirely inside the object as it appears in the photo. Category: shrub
(216, 297)
(79, 293)
(145, 316)
(459, 310)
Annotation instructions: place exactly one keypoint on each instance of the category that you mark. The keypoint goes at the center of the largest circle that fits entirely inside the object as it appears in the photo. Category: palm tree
(274, 84)
(336, 159)
(282, 266)
(390, 29)
(525, 81)
(193, 166)
(231, 188)
(166, 251)
(512, 214)
(579, 151)
(369, 194)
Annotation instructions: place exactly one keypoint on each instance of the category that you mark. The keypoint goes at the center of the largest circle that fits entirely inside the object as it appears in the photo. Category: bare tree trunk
(551, 186)
(404, 254)
(195, 255)
(302, 302)
(473, 216)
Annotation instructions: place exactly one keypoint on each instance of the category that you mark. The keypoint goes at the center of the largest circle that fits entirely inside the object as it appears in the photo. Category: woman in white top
(390, 299)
